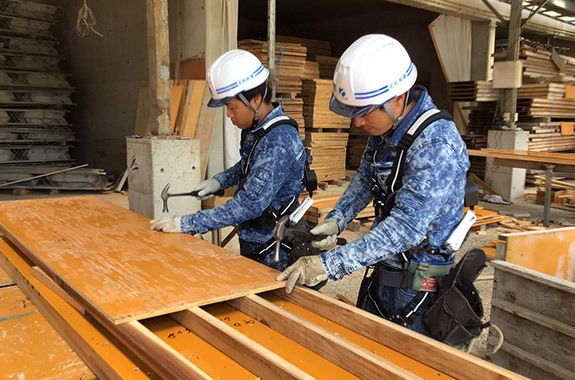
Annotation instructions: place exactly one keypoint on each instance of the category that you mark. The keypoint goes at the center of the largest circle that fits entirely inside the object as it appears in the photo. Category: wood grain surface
(108, 257)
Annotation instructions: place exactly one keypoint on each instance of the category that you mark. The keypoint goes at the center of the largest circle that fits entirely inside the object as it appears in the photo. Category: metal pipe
(272, 45)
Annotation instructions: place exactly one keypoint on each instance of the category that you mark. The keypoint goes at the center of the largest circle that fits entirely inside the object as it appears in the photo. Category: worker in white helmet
(418, 202)
(270, 171)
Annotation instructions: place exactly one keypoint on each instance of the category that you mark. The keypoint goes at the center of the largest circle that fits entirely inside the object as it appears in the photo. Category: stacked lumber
(551, 137)
(542, 90)
(322, 206)
(484, 217)
(122, 308)
(473, 91)
(289, 67)
(314, 47)
(326, 66)
(356, 146)
(35, 137)
(546, 108)
(294, 109)
(538, 65)
(326, 132)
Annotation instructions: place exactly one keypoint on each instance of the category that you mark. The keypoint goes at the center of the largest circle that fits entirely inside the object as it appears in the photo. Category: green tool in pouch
(455, 315)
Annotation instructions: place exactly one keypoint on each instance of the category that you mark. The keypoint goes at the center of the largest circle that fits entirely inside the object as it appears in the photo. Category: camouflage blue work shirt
(429, 204)
(275, 175)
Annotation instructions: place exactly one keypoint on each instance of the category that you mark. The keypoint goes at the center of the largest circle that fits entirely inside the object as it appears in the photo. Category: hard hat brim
(350, 111)
(214, 103)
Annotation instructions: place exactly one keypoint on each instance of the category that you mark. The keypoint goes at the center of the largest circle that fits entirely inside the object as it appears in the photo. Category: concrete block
(508, 182)
(155, 161)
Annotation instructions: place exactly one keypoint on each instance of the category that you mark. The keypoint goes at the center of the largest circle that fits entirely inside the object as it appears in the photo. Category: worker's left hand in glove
(168, 224)
(307, 270)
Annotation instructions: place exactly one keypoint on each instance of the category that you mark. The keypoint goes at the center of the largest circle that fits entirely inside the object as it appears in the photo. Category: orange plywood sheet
(31, 348)
(108, 257)
(551, 251)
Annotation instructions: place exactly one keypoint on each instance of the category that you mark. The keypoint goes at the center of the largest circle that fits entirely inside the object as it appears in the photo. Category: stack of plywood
(314, 47)
(356, 146)
(294, 109)
(326, 132)
(473, 91)
(540, 65)
(289, 67)
(552, 137)
(327, 66)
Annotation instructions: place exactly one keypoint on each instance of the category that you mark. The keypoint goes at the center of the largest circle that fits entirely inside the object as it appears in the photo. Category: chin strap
(388, 110)
(249, 105)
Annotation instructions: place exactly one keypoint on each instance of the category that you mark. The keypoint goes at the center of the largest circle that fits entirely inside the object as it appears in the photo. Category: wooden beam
(158, 66)
(349, 356)
(251, 355)
(419, 347)
(483, 184)
(41, 276)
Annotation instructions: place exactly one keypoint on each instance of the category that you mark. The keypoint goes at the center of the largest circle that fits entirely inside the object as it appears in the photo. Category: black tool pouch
(364, 286)
(455, 316)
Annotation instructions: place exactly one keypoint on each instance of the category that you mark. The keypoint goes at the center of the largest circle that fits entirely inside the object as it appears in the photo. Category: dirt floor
(347, 288)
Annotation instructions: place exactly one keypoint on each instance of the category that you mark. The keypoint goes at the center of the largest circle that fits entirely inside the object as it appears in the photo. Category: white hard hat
(373, 70)
(233, 73)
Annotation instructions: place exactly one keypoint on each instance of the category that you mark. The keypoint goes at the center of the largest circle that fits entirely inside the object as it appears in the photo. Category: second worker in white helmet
(416, 207)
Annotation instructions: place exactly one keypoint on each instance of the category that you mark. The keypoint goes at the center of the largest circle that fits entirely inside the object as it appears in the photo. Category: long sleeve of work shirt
(275, 160)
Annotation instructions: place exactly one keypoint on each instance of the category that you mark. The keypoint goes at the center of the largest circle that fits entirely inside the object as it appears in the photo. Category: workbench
(135, 303)
(548, 162)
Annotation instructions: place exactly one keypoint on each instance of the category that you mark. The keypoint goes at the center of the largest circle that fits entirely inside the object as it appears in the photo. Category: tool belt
(422, 277)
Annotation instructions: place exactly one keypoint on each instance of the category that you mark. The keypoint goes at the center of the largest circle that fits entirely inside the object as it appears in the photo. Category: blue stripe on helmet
(227, 88)
(370, 92)
(384, 89)
(259, 70)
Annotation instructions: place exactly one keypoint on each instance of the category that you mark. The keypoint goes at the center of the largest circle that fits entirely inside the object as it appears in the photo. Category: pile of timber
(126, 312)
(35, 137)
(294, 109)
(314, 47)
(290, 64)
(326, 132)
(547, 108)
(541, 91)
(543, 65)
(327, 66)
(550, 137)
(473, 91)
(356, 146)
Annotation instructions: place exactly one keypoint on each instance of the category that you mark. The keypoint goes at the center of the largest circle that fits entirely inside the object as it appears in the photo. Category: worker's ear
(256, 100)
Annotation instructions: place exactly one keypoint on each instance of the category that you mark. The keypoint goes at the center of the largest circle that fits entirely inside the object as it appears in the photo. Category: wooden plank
(205, 130)
(549, 251)
(31, 348)
(5, 280)
(87, 242)
(536, 361)
(105, 357)
(421, 348)
(245, 351)
(50, 284)
(355, 359)
(176, 93)
(195, 96)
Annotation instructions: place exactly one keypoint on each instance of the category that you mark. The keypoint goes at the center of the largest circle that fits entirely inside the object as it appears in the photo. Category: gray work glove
(307, 270)
(168, 224)
(327, 227)
(207, 188)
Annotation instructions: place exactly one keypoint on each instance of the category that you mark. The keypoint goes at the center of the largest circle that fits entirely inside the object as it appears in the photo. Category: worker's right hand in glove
(207, 188)
(307, 270)
(327, 227)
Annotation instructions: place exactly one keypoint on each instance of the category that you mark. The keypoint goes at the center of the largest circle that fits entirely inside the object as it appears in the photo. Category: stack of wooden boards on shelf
(190, 115)
(35, 137)
(326, 132)
(142, 304)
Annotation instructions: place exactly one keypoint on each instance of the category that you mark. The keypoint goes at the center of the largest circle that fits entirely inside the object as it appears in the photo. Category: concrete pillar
(508, 182)
(482, 49)
(154, 162)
